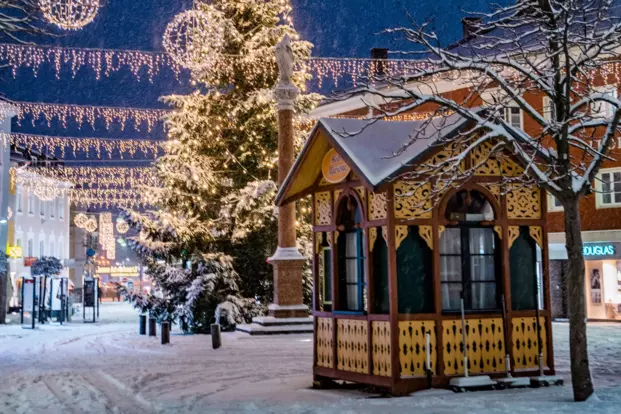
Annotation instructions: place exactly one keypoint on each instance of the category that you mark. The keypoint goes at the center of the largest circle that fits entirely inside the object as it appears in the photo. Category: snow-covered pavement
(108, 368)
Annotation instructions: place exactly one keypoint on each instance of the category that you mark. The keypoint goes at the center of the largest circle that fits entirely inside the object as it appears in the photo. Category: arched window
(352, 288)
(469, 254)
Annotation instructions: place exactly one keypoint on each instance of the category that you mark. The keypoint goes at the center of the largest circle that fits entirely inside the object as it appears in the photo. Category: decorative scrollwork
(487, 163)
(441, 230)
(514, 232)
(372, 238)
(385, 233)
(352, 346)
(537, 234)
(360, 191)
(325, 350)
(329, 238)
(498, 230)
(337, 193)
(494, 189)
(426, 232)
(412, 200)
(377, 206)
(323, 209)
(380, 336)
(401, 232)
(523, 202)
(510, 168)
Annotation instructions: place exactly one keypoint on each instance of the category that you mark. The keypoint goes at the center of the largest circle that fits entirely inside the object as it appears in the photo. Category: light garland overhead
(82, 114)
(103, 177)
(80, 220)
(122, 227)
(106, 235)
(103, 62)
(194, 38)
(45, 188)
(69, 14)
(101, 146)
(91, 225)
(107, 198)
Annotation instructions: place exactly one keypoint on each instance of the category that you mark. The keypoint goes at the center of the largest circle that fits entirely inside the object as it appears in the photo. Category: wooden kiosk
(389, 265)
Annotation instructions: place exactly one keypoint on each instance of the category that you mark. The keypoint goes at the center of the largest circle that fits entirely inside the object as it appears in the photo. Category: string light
(91, 225)
(102, 61)
(122, 227)
(69, 14)
(101, 146)
(82, 114)
(106, 235)
(194, 38)
(80, 220)
(103, 177)
(45, 188)
(107, 198)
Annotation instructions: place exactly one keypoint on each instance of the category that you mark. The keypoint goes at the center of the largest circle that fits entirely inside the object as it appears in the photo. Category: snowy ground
(109, 368)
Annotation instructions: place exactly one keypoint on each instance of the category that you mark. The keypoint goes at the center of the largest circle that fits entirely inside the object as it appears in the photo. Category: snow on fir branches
(218, 174)
(533, 80)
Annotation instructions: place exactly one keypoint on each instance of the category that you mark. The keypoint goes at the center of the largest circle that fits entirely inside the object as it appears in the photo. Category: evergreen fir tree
(215, 209)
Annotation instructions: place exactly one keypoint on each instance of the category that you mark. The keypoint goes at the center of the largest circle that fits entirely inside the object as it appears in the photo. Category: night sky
(335, 27)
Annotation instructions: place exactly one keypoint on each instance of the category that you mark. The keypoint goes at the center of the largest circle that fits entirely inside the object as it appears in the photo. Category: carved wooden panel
(401, 232)
(337, 193)
(323, 182)
(352, 346)
(377, 206)
(494, 189)
(324, 335)
(380, 336)
(413, 347)
(486, 164)
(372, 237)
(385, 233)
(523, 202)
(323, 209)
(514, 232)
(525, 342)
(498, 230)
(510, 168)
(485, 341)
(412, 200)
(318, 241)
(361, 193)
(537, 234)
(426, 232)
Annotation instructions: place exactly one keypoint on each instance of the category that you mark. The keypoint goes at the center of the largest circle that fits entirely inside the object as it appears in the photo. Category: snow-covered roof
(370, 147)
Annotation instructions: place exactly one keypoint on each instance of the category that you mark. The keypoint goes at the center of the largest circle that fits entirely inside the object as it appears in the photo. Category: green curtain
(523, 267)
(415, 274)
(380, 275)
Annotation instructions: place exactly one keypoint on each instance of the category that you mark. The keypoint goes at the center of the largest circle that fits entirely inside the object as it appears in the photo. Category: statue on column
(284, 58)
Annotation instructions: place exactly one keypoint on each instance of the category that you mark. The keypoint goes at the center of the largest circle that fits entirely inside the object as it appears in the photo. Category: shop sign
(15, 252)
(29, 261)
(118, 271)
(599, 250)
(334, 167)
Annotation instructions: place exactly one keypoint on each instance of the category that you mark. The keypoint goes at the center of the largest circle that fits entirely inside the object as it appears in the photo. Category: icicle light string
(71, 145)
(102, 177)
(107, 198)
(87, 115)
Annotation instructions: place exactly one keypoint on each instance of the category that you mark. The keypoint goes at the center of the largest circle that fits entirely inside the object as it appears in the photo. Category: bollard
(165, 333)
(216, 342)
(143, 324)
(152, 331)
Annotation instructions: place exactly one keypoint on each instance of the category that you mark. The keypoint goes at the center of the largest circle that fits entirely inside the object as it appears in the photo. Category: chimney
(470, 26)
(381, 55)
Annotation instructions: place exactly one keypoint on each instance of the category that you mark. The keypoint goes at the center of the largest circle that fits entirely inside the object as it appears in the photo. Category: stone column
(287, 261)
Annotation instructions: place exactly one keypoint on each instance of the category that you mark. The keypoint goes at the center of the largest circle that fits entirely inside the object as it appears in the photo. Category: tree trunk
(3, 298)
(578, 350)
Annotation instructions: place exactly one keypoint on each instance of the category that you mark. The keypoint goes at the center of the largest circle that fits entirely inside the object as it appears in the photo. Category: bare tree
(565, 51)
(19, 18)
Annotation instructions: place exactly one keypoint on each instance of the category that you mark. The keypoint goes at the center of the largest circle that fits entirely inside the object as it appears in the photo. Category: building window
(352, 287)
(554, 204)
(31, 203)
(18, 242)
(61, 208)
(549, 112)
(52, 249)
(608, 186)
(468, 255)
(513, 116)
(42, 208)
(41, 248)
(52, 209)
(602, 109)
(18, 200)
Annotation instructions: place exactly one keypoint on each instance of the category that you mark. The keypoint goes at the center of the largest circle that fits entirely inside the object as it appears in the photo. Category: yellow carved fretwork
(514, 232)
(426, 232)
(401, 232)
(537, 234)
(360, 191)
(523, 202)
(486, 164)
(329, 238)
(337, 193)
(377, 206)
(441, 230)
(323, 209)
(498, 230)
(385, 233)
(372, 237)
(412, 200)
